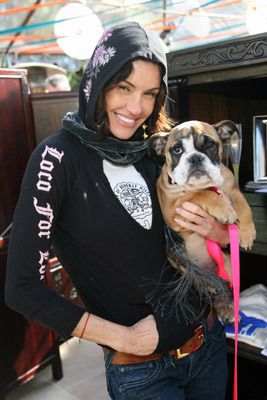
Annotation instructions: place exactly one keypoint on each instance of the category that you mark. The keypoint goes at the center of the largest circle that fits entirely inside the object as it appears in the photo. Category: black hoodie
(66, 201)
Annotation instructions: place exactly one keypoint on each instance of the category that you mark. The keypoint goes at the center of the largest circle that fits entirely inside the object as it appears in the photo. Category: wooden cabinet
(16, 139)
(25, 346)
(221, 81)
(49, 109)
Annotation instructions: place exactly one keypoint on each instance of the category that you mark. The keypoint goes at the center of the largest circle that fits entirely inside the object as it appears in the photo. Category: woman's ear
(158, 141)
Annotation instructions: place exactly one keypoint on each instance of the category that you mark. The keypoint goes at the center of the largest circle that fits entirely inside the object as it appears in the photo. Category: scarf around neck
(118, 152)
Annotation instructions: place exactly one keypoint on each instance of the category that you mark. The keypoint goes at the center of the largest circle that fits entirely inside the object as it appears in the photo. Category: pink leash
(215, 252)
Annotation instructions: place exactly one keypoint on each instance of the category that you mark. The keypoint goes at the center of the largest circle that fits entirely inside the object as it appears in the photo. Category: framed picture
(260, 148)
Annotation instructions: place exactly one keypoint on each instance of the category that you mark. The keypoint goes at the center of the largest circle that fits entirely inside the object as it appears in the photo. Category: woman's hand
(202, 223)
(143, 337)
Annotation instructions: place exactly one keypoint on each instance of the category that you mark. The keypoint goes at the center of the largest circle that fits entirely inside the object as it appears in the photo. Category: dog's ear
(158, 142)
(225, 130)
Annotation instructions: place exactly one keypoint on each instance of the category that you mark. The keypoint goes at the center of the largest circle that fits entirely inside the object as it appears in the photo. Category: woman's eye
(151, 94)
(177, 149)
(123, 88)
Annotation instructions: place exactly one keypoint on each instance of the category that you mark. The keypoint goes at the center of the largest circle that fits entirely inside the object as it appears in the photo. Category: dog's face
(193, 153)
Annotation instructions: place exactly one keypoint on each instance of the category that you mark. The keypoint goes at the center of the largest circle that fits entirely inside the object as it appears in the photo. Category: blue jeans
(200, 376)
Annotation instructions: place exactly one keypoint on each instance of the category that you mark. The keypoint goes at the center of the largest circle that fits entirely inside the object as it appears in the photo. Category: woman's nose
(134, 105)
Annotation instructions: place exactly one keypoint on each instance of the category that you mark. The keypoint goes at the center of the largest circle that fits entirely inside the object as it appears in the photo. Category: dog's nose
(196, 159)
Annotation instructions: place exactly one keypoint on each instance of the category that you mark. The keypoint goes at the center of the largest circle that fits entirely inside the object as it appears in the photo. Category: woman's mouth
(126, 121)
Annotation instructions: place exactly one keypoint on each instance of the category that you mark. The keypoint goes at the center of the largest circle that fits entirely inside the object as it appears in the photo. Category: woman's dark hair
(158, 120)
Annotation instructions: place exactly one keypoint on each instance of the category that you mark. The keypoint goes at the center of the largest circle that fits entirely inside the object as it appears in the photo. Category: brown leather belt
(192, 344)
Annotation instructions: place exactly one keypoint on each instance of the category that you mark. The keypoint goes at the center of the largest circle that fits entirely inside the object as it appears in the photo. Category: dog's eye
(209, 144)
(177, 149)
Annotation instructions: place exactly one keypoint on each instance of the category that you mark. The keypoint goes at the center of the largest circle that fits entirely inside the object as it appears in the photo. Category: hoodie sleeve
(48, 179)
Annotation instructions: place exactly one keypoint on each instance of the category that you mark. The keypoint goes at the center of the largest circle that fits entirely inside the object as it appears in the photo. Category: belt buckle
(180, 355)
(200, 337)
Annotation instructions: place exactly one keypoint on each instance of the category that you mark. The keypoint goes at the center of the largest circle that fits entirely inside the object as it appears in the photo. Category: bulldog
(193, 171)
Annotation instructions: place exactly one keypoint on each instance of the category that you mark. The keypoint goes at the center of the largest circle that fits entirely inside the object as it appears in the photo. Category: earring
(145, 135)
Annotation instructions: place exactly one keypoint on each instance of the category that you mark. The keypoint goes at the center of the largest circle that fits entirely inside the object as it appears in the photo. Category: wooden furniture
(228, 80)
(49, 109)
(25, 346)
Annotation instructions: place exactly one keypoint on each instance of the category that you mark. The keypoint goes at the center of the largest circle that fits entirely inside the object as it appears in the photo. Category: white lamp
(81, 32)
(256, 17)
(197, 23)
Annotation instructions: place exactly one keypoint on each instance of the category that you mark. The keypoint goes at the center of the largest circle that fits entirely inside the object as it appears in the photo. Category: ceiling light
(79, 33)
(256, 17)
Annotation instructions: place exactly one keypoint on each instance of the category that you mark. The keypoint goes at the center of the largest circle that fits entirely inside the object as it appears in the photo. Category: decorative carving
(212, 57)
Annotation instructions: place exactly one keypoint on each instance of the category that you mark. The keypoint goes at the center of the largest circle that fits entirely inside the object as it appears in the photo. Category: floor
(83, 376)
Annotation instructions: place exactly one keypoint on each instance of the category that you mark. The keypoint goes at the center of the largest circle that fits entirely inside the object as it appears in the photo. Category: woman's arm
(50, 173)
(202, 223)
(140, 338)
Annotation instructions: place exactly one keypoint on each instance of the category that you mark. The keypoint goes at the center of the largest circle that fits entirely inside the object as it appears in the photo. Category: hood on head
(116, 47)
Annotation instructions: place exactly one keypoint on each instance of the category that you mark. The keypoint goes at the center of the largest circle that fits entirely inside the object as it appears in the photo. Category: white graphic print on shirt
(131, 190)
(44, 185)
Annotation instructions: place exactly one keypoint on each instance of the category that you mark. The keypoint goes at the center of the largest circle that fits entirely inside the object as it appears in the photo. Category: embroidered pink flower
(87, 89)
(106, 35)
(98, 54)
(107, 55)
(103, 55)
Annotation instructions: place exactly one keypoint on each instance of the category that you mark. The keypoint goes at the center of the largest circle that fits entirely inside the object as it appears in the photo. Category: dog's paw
(247, 236)
(225, 214)
(224, 308)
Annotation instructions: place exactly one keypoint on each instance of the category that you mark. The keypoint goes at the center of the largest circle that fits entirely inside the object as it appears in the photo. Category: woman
(90, 192)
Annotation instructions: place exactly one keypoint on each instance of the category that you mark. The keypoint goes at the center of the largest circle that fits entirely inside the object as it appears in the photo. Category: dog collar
(213, 189)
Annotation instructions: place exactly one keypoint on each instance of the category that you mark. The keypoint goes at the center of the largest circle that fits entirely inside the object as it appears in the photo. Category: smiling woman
(111, 242)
